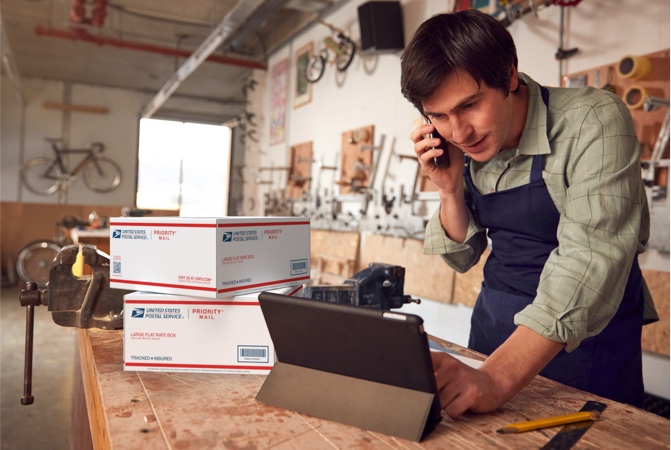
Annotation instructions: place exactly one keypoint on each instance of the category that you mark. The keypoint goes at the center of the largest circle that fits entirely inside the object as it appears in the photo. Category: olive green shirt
(593, 175)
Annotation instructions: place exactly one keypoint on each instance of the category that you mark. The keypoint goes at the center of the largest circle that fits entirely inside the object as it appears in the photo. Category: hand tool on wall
(662, 142)
(376, 161)
(379, 286)
(82, 302)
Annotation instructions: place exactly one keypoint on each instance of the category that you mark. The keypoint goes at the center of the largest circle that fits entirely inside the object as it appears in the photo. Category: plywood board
(356, 160)
(329, 249)
(425, 183)
(148, 410)
(299, 170)
(656, 84)
(655, 336)
(426, 276)
(467, 285)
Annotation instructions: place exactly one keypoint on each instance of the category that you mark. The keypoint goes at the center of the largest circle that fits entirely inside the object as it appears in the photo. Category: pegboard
(615, 77)
(356, 160)
(299, 170)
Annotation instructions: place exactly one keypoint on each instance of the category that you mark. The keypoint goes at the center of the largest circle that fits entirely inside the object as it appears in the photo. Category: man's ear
(514, 81)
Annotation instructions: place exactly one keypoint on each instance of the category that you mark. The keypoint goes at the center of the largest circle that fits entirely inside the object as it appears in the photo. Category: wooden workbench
(153, 410)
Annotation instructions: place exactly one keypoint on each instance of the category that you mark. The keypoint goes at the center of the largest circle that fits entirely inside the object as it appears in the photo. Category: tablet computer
(383, 347)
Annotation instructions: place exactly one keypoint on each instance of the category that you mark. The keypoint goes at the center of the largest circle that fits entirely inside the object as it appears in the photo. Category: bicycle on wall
(45, 176)
(343, 47)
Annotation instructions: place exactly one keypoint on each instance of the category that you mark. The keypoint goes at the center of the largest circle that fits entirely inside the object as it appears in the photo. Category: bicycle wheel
(314, 69)
(41, 176)
(34, 262)
(346, 55)
(102, 174)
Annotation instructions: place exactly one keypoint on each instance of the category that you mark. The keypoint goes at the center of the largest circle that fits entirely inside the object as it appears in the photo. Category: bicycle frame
(47, 175)
(343, 48)
(67, 151)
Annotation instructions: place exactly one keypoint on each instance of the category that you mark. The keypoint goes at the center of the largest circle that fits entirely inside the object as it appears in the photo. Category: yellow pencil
(550, 422)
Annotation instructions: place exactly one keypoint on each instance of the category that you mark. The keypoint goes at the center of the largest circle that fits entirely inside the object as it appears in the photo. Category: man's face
(476, 119)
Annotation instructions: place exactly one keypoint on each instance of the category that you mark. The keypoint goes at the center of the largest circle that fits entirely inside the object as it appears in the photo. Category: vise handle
(83, 302)
(30, 298)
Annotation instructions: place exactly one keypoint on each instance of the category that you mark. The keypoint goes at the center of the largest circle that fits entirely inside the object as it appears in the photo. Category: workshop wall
(24, 131)
(366, 94)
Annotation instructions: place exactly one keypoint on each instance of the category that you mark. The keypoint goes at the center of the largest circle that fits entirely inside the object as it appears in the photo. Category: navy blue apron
(522, 225)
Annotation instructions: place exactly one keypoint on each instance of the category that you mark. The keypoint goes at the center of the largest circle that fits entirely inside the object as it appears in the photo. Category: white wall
(24, 130)
(368, 93)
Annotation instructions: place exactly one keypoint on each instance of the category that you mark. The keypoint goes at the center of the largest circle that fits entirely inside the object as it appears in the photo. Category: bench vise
(379, 286)
(82, 302)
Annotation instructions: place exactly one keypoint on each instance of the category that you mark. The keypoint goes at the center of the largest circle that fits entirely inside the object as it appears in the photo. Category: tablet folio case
(365, 404)
(352, 365)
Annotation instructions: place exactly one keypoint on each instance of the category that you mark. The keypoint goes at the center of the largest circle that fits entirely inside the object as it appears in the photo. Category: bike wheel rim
(315, 68)
(33, 176)
(344, 59)
(107, 181)
(35, 260)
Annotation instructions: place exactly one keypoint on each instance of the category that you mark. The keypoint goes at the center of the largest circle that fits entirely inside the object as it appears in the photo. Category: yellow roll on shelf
(634, 67)
(635, 96)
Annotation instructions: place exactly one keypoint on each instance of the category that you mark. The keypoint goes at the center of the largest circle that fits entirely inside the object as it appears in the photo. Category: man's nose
(461, 131)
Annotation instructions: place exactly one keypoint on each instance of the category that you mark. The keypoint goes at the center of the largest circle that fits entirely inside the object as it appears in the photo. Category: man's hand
(462, 388)
(448, 179)
(503, 374)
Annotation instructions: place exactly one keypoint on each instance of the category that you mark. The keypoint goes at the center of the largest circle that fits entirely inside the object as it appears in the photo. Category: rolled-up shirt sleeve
(584, 279)
(459, 257)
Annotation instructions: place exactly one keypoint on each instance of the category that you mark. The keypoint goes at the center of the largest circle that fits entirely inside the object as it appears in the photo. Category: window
(184, 166)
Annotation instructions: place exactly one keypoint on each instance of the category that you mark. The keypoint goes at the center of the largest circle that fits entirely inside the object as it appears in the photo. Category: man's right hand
(448, 179)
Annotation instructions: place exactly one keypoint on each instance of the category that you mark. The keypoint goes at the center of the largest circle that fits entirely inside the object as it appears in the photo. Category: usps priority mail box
(173, 333)
(209, 257)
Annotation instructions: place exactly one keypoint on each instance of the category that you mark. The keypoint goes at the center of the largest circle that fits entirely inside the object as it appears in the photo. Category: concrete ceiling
(147, 45)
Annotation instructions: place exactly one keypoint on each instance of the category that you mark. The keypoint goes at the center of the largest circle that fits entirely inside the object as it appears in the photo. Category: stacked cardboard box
(198, 279)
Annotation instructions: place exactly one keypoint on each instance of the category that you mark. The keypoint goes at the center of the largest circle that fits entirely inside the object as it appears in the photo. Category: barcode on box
(116, 266)
(299, 266)
(252, 353)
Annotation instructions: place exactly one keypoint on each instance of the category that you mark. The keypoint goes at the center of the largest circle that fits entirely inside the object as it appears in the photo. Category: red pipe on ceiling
(80, 34)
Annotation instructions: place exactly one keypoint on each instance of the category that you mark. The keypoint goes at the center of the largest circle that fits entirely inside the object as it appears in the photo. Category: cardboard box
(171, 333)
(209, 257)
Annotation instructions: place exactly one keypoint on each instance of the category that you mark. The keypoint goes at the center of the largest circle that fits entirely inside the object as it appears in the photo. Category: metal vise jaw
(379, 286)
(82, 302)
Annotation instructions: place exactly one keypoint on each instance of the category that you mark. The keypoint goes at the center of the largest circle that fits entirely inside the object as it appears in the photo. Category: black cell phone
(444, 159)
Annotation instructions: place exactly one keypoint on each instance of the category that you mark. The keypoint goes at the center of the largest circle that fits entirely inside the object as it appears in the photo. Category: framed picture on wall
(302, 88)
(278, 100)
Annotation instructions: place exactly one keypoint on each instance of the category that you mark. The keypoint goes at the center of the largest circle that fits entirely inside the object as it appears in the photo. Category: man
(552, 177)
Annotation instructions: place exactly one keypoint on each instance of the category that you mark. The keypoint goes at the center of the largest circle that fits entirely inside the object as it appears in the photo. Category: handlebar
(333, 29)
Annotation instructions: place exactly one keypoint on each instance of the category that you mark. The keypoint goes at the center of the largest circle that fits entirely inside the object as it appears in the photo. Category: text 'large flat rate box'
(173, 333)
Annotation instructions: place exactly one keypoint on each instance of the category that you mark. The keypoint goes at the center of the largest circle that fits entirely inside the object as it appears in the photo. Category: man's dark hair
(468, 40)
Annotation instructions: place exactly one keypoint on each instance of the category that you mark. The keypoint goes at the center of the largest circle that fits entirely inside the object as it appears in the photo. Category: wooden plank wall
(655, 336)
(22, 223)
(334, 255)
(429, 277)
(425, 276)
